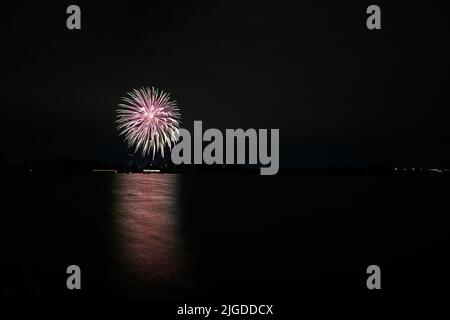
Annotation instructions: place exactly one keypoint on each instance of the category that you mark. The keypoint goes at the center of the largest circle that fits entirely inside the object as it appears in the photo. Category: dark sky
(339, 93)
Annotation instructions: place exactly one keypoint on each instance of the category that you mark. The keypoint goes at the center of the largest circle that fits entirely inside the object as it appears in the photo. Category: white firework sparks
(148, 120)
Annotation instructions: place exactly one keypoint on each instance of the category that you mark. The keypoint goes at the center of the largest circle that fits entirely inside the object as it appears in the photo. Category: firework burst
(148, 120)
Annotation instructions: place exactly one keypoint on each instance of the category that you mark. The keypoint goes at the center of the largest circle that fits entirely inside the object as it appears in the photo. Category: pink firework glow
(148, 120)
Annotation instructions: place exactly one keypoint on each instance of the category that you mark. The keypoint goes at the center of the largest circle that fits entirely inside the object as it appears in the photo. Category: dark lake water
(223, 236)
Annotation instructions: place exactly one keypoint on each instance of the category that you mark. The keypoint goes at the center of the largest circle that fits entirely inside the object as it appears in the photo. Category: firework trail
(148, 120)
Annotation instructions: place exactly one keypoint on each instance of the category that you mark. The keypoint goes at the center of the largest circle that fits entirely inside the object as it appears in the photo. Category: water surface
(165, 236)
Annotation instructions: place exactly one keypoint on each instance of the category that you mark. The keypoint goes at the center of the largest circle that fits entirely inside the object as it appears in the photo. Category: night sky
(339, 93)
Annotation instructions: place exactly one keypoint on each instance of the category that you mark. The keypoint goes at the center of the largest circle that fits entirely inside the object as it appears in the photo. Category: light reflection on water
(148, 223)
